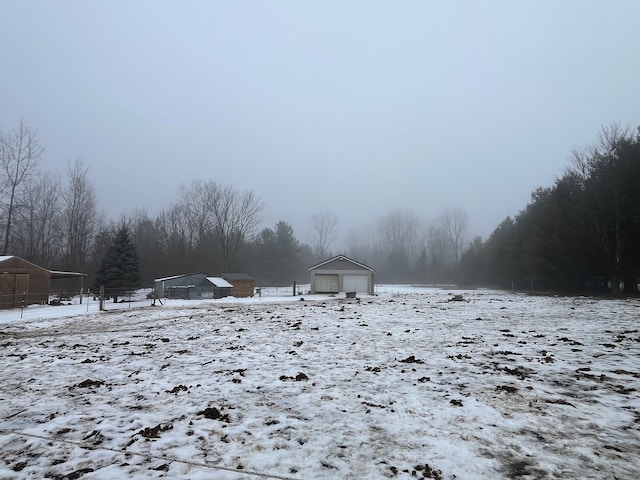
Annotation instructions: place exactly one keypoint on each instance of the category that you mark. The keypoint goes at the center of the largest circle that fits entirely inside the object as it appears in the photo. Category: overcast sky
(358, 107)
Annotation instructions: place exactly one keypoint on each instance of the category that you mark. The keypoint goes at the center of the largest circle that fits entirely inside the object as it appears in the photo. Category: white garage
(341, 274)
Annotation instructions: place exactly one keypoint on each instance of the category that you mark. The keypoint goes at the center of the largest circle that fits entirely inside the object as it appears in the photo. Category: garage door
(327, 283)
(355, 283)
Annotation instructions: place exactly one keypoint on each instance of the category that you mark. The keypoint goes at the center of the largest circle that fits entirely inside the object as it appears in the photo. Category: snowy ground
(404, 384)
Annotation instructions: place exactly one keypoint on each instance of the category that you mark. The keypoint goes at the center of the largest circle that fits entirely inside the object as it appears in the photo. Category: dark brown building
(22, 283)
(243, 285)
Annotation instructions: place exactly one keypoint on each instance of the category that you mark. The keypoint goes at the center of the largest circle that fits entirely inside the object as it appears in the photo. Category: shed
(342, 274)
(188, 285)
(243, 284)
(219, 287)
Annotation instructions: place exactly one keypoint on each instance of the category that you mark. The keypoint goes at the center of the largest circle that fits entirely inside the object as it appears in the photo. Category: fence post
(101, 297)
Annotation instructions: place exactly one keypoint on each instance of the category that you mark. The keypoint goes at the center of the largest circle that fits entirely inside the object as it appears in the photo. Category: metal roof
(171, 277)
(237, 276)
(219, 282)
(54, 274)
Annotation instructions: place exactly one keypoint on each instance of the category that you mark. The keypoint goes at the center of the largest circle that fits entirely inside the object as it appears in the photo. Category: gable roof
(53, 274)
(342, 258)
(6, 258)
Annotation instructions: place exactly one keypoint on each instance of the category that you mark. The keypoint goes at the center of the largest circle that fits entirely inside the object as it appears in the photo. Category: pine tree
(120, 271)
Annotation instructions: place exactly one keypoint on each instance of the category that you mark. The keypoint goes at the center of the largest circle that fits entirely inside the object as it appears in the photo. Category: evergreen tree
(120, 271)
(280, 258)
(581, 234)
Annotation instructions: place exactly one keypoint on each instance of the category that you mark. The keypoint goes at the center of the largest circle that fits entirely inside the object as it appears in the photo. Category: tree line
(54, 220)
(582, 234)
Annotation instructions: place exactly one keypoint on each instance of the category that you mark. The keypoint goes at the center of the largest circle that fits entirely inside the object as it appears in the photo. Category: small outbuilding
(193, 285)
(24, 283)
(342, 274)
(188, 285)
(220, 288)
(243, 284)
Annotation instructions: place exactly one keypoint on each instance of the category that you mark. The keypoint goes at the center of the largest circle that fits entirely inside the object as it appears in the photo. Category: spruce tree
(120, 271)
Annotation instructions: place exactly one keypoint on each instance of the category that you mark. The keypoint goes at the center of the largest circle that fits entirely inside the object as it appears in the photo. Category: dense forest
(581, 234)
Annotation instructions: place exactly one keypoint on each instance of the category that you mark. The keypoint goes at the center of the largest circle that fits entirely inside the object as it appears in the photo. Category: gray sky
(423, 105)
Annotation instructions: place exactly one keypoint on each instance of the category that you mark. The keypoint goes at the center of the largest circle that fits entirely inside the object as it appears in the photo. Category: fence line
(163, 458)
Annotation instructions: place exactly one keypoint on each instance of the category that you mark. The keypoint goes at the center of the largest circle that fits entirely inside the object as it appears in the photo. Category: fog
(357, 109)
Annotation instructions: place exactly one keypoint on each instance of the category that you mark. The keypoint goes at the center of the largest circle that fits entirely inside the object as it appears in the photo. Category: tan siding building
(342, 274)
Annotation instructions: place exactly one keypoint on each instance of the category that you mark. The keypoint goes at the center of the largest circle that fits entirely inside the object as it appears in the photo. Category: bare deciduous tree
(80, 217)
(219, 214)
(362, 244)
(438, 249)
(236, 216)
(455, 222)
(196, 204)
(19, 153)
(323, 227)
(40, 220)
(400, 232)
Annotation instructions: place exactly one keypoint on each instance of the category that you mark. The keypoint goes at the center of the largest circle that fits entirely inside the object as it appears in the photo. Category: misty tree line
(46, 219)
(54, 220)
(214, 228)
(404, 247)
(581, 234)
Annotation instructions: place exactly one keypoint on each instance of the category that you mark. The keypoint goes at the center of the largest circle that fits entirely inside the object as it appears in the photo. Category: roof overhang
(54, 274)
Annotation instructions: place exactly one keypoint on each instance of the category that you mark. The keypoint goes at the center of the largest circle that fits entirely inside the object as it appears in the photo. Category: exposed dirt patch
(411, 359)
(300, 377)
(506, 388)
(212, 413)
(177, 389)
(154, 432)
(88, 383)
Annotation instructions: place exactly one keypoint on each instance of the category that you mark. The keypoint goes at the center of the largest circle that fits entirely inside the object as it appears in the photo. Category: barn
(342, 274)
(22, 283)
(243, 284)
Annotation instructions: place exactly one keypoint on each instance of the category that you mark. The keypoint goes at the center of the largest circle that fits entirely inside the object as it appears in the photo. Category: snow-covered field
(404, 384)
